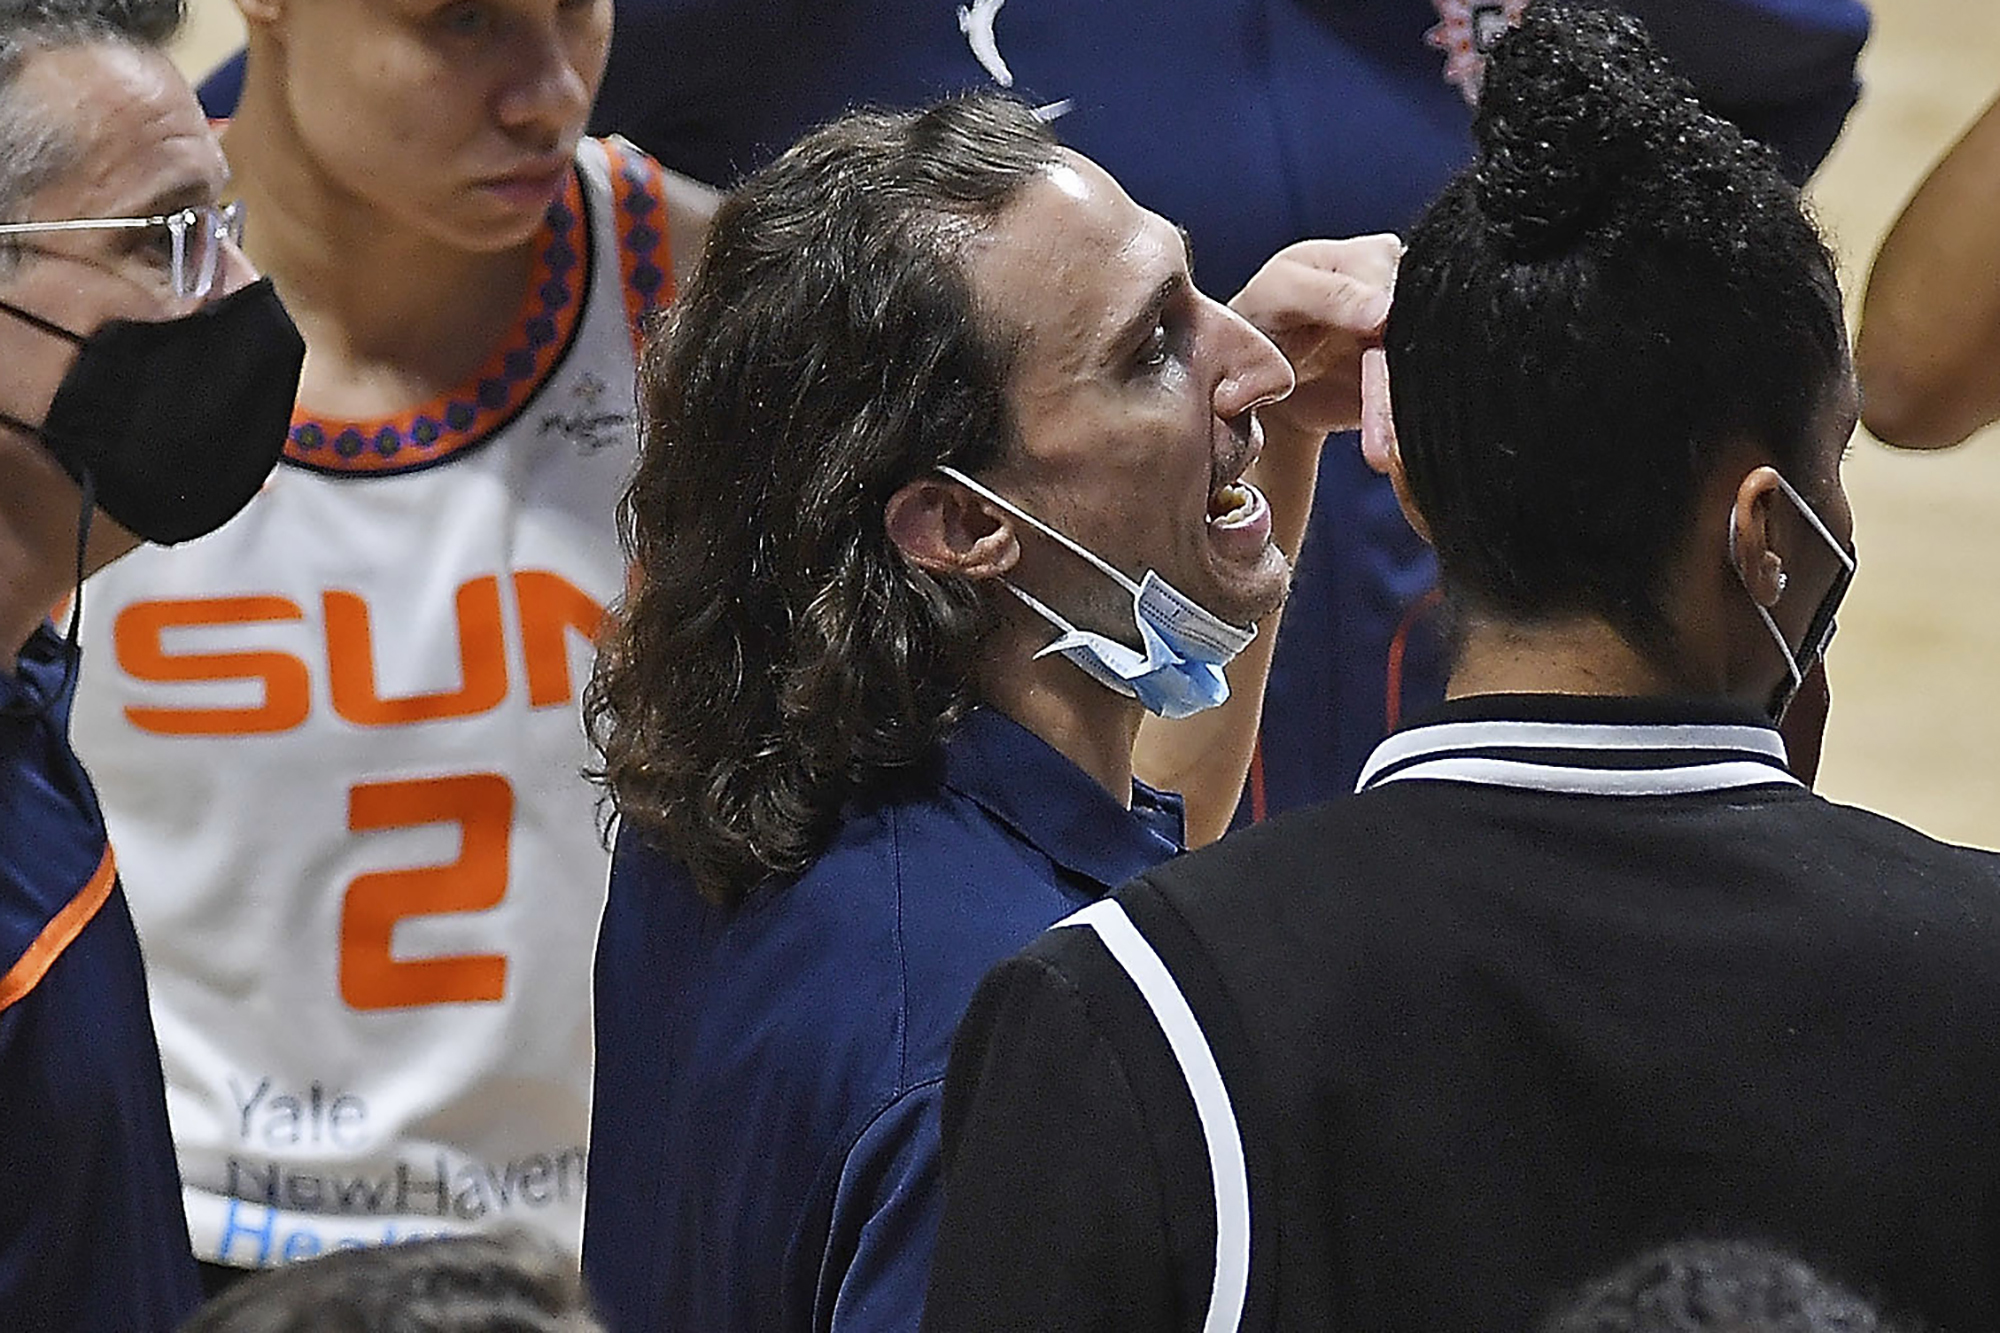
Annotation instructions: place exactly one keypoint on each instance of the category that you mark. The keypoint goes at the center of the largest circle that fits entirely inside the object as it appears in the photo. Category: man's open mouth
(1235, 504)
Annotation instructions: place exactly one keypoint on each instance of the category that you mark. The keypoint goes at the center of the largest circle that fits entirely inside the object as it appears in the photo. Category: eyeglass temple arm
(82, 224)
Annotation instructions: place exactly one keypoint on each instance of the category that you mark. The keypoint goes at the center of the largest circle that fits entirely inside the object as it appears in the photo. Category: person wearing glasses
(1583, 967)
(339, 744)
(191, 240)
(145, 383)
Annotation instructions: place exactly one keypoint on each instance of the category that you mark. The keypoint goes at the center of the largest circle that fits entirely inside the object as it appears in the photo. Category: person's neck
(31, 584)
(1088, 724)
(388, 312)
(1580, 656)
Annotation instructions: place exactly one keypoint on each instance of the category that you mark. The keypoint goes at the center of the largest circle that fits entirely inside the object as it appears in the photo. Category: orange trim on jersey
(58, 934)
(645, 250)
(1392, 674)
(552, 307)
(1260, 805)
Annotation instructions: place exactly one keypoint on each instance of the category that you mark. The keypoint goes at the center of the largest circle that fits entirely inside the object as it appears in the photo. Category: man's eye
(466, 20)
(155, 245)
(1153, 351)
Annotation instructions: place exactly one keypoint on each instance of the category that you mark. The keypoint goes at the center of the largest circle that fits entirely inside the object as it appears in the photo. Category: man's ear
(940, 526)
(1752, 545)
(1405, 498)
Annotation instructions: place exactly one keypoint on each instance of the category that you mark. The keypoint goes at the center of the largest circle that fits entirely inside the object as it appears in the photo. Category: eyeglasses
(197, 236)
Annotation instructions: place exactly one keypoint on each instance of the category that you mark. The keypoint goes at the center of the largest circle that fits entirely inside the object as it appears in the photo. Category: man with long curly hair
(951, 477)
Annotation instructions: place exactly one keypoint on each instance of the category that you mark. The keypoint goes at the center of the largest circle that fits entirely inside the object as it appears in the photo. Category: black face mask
(172, 425)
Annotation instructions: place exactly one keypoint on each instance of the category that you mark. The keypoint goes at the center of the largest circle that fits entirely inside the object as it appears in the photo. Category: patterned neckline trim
(469, 414)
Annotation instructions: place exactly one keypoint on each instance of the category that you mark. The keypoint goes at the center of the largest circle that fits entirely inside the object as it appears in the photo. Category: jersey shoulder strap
(639, 222)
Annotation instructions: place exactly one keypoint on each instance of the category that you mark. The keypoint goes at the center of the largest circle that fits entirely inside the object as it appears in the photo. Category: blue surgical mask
(1179, 670)
(1819, 630)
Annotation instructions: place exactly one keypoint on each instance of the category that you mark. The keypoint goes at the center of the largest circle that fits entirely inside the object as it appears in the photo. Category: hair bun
(1572, 99)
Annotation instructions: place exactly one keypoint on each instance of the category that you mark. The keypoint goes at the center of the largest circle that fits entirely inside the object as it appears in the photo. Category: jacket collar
(1586, 746)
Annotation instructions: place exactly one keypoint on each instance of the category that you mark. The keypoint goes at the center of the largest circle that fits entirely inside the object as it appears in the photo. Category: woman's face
(451, 118)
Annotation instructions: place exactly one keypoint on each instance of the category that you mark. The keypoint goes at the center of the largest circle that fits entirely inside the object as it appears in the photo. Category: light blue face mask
(1178, 673)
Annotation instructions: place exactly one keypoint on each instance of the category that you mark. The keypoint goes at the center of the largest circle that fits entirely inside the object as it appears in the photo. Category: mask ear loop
(1763, 612)
(48, 326)
(72, 636)
(1812, 517)
(72, 652)
(1036, 604)
(1103, 566)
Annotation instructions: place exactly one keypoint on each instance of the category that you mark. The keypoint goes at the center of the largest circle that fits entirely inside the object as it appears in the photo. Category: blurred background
(1915, 730)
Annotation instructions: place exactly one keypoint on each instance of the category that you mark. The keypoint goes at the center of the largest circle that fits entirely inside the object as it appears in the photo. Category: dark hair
(460, 1284)
(1715, 1287)
(1617, 290)
(777, 656)
(35, 147)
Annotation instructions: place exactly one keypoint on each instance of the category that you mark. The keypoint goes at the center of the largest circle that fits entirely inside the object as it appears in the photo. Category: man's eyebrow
(1142, 320)
(173, 198)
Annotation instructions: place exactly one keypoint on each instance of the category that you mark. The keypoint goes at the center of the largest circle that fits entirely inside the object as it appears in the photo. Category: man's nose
(1254, 371)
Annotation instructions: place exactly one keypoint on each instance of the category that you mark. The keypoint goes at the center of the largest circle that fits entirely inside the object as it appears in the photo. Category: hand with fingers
(1324, 303)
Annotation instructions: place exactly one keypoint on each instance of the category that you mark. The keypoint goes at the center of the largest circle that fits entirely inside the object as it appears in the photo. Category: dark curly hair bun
(1619, 293)
(1578, 111)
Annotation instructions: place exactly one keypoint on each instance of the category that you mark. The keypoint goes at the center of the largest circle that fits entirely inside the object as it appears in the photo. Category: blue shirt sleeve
(222, 88)
(884, 1223)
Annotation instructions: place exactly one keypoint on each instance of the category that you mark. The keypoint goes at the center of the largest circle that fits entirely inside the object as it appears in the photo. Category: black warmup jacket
(1567, 979)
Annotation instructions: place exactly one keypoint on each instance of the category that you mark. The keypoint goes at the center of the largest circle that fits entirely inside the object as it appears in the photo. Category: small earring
(1783, 579)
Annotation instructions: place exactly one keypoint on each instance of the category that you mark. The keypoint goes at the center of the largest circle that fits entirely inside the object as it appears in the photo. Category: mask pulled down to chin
(1177, 671)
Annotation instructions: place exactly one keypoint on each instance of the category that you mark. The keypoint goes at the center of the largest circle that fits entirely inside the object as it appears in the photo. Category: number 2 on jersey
(371, 976)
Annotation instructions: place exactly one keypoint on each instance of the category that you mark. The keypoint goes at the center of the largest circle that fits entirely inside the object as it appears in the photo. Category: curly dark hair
(1617, 290)
(777, 657)
(1715, 1286)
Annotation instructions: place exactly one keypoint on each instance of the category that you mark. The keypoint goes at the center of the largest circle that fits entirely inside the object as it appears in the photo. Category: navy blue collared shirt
(92, 1236)
(764, 1139)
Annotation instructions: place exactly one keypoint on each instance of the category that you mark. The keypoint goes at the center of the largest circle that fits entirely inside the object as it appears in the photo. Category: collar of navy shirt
(1031, 787)
(1586, 746)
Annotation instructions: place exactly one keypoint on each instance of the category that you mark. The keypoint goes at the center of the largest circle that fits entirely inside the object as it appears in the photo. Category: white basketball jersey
(339, 750)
